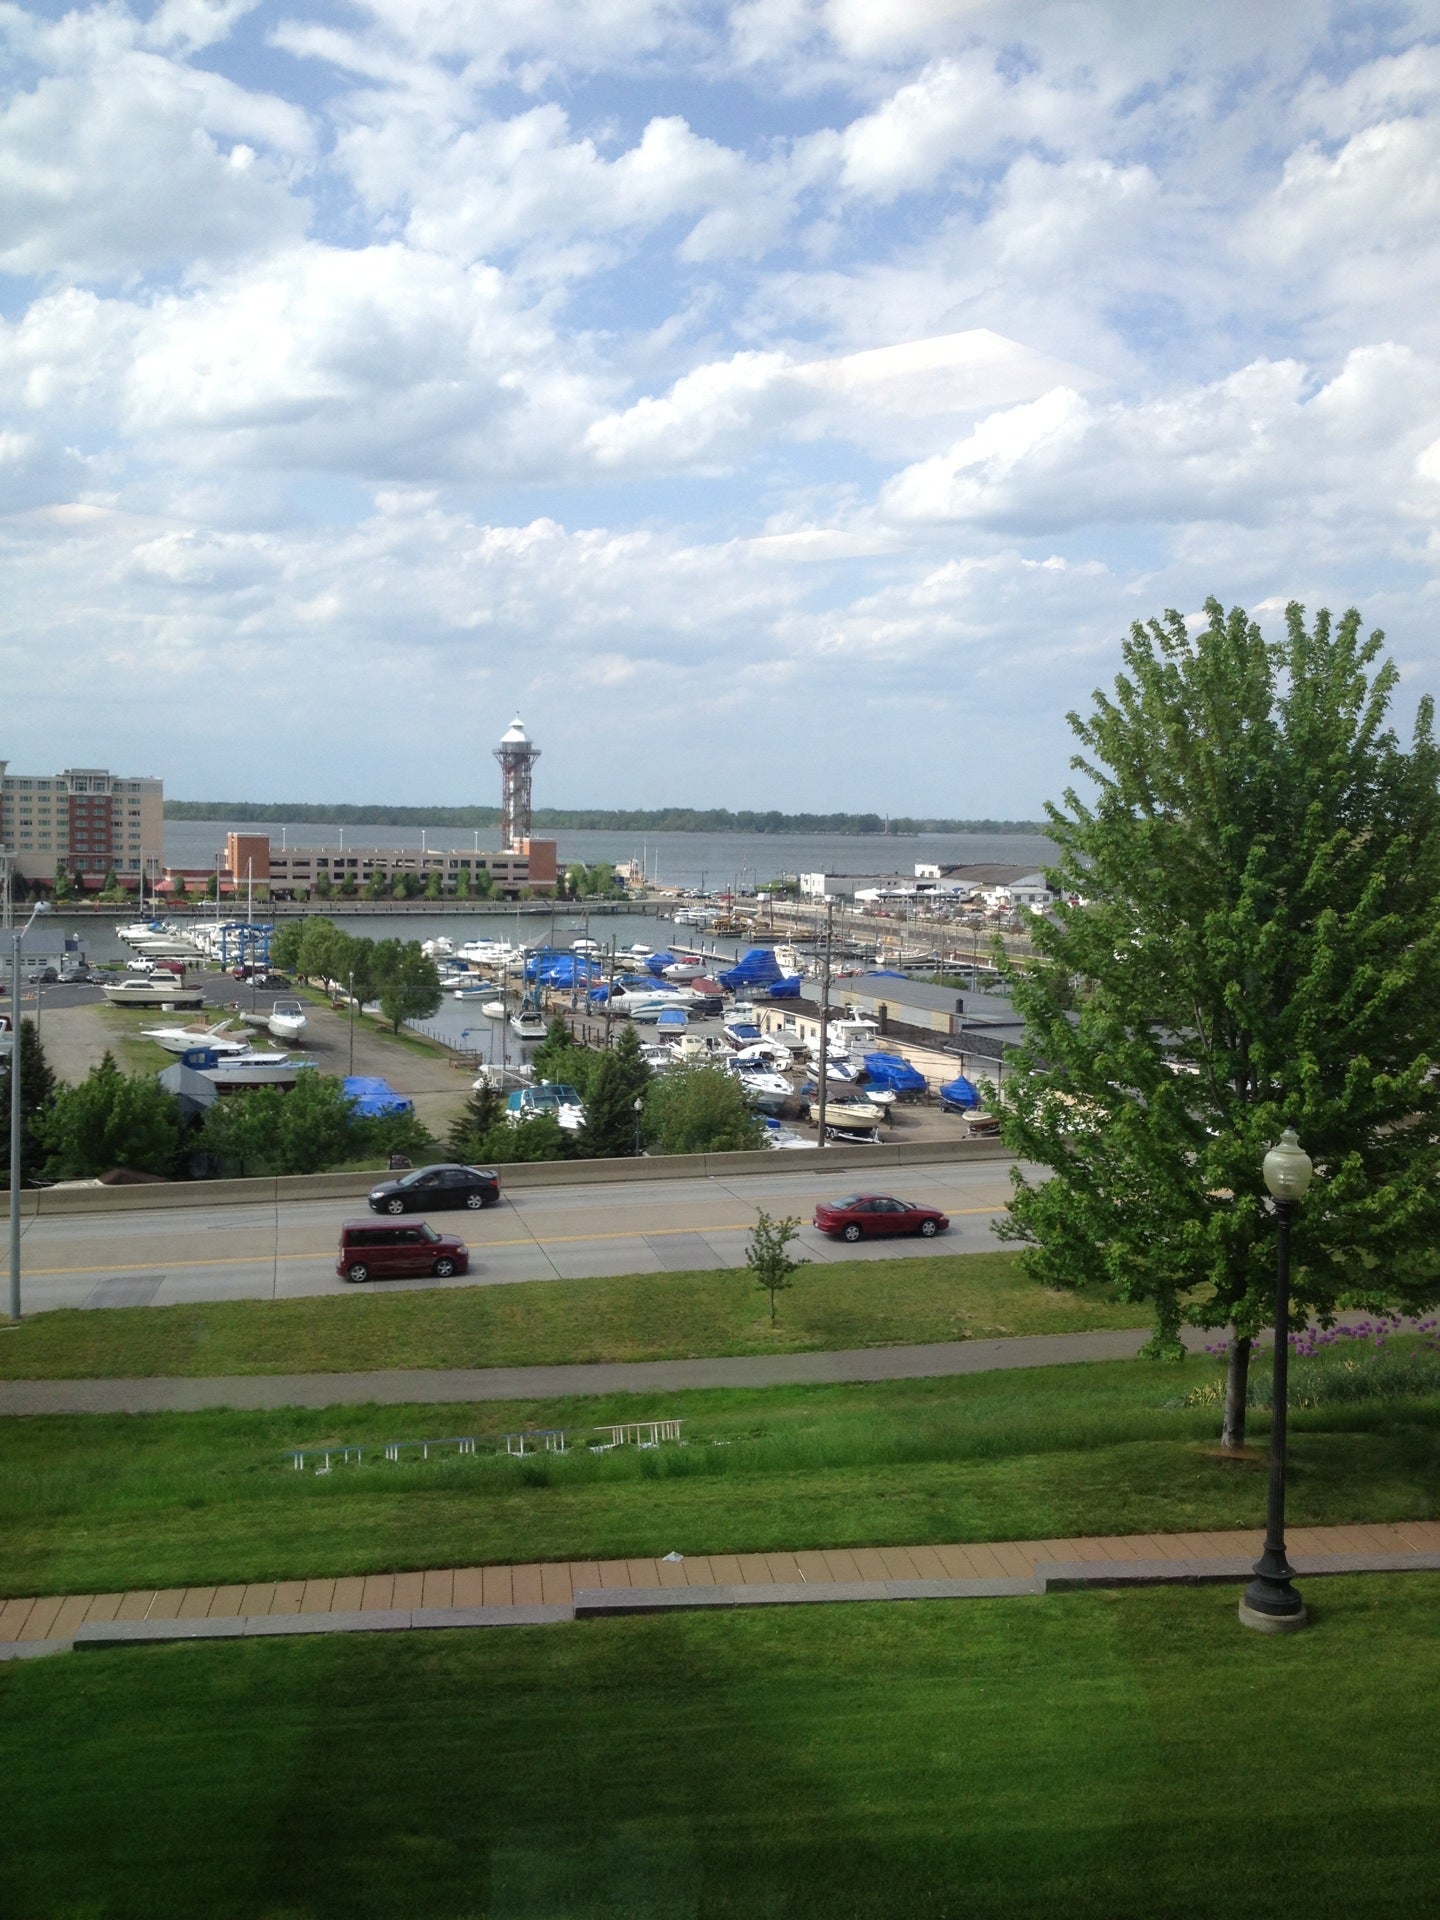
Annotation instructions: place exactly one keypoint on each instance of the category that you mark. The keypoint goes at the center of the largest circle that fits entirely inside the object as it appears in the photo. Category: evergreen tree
(612, 1129)
(482, 1113)
(1250, 938)
(37, 1090)
(637, 1075)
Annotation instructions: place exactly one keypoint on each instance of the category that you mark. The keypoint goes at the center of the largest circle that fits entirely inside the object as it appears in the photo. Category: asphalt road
(286, 1251)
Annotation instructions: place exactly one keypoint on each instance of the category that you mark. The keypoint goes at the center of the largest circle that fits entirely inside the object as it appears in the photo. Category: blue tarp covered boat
(889, 1071)
(959, 1095)
(372, 1096)
(757, 968)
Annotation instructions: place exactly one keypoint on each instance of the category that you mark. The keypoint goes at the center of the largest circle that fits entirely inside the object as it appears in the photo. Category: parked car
(43, 976)
(272, 982)
(863, 1216)
(78, 976)
(369, 1252)
(430, 1187)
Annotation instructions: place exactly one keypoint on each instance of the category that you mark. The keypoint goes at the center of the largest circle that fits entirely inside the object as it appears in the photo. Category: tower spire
(517, 757)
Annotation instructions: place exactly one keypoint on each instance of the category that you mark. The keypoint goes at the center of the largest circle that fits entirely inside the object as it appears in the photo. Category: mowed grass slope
(97, 1503)
(867, 1303)
(1097, 1756)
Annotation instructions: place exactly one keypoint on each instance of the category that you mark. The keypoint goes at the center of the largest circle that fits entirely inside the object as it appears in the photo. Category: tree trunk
(1237, 1375)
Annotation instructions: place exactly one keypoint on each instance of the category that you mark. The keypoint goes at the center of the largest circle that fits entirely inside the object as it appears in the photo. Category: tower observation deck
(517, 757)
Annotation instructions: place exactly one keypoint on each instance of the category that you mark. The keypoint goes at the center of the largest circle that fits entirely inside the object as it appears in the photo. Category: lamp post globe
(1270, 1603)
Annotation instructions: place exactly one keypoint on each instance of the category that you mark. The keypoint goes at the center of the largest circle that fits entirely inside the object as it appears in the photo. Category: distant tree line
(597, 819)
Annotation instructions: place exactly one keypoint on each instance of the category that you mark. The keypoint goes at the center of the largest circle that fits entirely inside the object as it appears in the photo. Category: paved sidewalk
(446, 1386)
(566, 1590)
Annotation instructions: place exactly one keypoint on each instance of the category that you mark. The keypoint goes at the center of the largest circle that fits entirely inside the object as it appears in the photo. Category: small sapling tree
(768, 1258)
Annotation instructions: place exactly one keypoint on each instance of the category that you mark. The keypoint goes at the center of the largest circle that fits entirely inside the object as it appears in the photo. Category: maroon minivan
(397, 1250)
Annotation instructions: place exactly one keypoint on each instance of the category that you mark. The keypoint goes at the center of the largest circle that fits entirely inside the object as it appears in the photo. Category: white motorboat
(759, 1079)
(437, 949)
(687, 967)
(529, 1024)
(492, 1009)
(586, 946)
(252, 1068)
(287, 1019)
(785, 1139)
(156, 990)
(742, 1033)
(640, 1005)
(477, 992)
(490, 953)
(185, 1039)
(140, 930)
(767, 1053)
(496, 1078)
(563, 1104)
(848, 1113)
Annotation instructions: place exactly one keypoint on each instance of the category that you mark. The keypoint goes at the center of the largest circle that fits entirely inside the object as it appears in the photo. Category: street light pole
(1270, 1603)
(825, 1015)
(17, 935)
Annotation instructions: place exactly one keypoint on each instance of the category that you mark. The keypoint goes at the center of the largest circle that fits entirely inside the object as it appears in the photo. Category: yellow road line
(479, 1247)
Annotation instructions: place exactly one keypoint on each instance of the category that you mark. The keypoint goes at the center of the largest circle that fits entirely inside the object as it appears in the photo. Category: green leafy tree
(323, 887)
(110, 1120)
(179, 892)
(267, 1130)
(542, 1138)
(768, 1258)
(482, 1113)
(349, 887)
(64, 890)
(1249, 936)
(462, 884)
(212, 886)
(484, 883)
(37, 1091)
(285, 945)
(377, 886)
(434, 885)
(408, 982)
(700, 1110)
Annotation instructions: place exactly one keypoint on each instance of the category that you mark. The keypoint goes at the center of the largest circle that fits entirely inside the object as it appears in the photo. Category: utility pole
(825, 1012)
(610, 994)
(350, 995)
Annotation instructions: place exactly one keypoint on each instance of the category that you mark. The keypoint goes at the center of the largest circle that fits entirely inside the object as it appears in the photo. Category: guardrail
(48, 1202)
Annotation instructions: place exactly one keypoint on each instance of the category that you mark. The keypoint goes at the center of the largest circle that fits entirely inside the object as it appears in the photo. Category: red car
(865, 1215)
(370, 1252)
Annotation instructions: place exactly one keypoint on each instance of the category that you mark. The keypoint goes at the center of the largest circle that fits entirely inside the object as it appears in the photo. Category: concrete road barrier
(524, 1177)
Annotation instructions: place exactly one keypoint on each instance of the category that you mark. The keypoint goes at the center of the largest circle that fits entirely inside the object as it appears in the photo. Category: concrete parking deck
(572, 1589)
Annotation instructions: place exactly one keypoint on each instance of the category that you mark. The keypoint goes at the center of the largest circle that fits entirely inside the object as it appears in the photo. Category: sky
(788, 403)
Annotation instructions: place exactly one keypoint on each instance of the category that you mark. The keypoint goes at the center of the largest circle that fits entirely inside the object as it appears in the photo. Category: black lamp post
(639, 1109)
(1270, 1603)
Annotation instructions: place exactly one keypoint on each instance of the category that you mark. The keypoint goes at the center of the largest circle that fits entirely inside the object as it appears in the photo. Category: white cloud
(1253, 448)
(882, 396)
(117, 160)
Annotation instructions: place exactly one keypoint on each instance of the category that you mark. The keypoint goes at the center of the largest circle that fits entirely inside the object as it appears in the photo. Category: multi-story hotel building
(87, 819)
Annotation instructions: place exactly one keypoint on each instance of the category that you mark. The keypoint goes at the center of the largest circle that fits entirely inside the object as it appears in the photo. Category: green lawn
(105, 1502)
(621, 1317)
(1094, 1756)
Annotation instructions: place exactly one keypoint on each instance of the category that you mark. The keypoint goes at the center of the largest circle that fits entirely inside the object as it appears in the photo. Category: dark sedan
(865, 1216)
(430, 1187)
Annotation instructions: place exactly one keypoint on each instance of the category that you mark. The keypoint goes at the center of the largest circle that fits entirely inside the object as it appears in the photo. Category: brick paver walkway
(57, 1617)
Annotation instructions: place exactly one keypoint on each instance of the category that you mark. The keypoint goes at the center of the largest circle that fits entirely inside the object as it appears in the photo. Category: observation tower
(517, 757)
